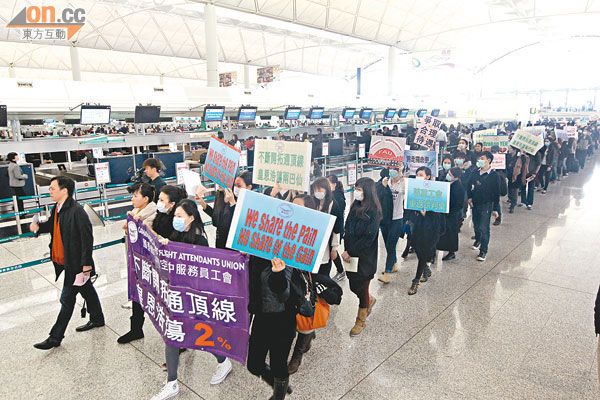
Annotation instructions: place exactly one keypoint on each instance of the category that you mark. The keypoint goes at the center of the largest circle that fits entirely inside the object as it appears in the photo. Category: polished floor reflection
(517, 326)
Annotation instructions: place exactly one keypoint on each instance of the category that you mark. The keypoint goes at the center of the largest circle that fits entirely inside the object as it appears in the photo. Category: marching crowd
(288, 304)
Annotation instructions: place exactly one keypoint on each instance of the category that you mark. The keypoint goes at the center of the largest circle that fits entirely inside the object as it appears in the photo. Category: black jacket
(77, 237)
(340, 197)
(386, 199)
(427, 231)
(163, 224)
(484, 188)
(360, 240)
(221, 216)
(597, 313)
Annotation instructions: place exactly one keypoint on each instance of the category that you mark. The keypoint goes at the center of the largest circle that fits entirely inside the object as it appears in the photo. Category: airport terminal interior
(230, 199)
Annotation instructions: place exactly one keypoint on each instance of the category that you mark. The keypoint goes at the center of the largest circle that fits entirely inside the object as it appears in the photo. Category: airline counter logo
(46, 23)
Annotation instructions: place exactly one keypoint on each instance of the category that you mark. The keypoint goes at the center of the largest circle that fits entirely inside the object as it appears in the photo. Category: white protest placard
(179, 167)
(361, 150)
(325, 149)
(191, 181)
(286, 163)
(243, 158)
(173, 147)
(527, 142)
(351, 174)
(386, 151)
(102, 171)
(97, 152)
(427, 131)
(499, 161)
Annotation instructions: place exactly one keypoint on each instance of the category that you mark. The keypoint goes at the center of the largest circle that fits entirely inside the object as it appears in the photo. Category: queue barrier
(14, 214)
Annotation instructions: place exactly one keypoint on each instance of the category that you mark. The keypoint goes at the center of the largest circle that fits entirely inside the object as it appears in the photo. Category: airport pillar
(210, 30)
(75, 69)
(246, 76)
(11, 71)
(391, 71)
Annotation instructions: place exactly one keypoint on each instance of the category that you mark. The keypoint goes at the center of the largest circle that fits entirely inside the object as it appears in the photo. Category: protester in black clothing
(152, 168)
(340, 198)
(449, 240)
(71, 247)
(533, 164)
(548, 157)
(462, 148)
(447, 163)
(360, 241)
(276, 291)
(483, 194)
(162, 226)
(224, 207)
(477, 151)
(516, 176)
(427, 227)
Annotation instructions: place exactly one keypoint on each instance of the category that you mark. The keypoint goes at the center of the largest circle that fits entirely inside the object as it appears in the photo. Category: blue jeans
(527, 192)
(391, 233)
(481, 222)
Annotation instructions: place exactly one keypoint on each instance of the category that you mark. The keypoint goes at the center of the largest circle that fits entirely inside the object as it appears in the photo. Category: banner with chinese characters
(268, 227)
(478, 136)
(427, 195)
(527, 142)
(285, 162)
(414, 159)
(221, 163)
(386, 151)
(196, 296)
(535, 130)
(567, 133)
(427, 131)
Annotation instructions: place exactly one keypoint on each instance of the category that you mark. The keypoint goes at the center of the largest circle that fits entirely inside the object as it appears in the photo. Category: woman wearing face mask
(393, 229)
(160, 219)
(467, 169)
(187, 228)
(224, 207)
(275, 292)
(462, 149)
(477, 150)
(447, 163)
(548, 153)
(360, 240)
(428, 226)
(339, 197)
(326, 204)
(449, 240)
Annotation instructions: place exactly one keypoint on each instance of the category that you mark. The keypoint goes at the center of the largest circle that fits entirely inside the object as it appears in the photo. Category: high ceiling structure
(325, 37)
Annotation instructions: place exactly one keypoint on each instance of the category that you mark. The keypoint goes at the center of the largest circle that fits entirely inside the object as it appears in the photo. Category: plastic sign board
(527, 142)
(325, 149)
(179, 167)
(102, 171)
(427, 131)
(499, 161)
(387, 151)
(361, 150)
(267, 227)
(414, 159)
(427, 195)
(221, 163)
(351, 174)
(244, 158)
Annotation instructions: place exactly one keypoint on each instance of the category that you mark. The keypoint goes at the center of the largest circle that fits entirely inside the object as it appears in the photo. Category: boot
(135, 330)
(413, 288)
(372, 301)
(302, 346)
(385, 278)
(360, 323)
(395, 268)
(280, 387)
(267, 376)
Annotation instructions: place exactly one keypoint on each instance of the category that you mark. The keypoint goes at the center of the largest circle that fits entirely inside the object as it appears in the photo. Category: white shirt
(398, 196)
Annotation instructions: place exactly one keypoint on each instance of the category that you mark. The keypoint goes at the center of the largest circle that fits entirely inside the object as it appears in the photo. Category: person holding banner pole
(427, 229)
(393, 229)
(339, 196)
(361, 233)
(188, 228)
(483, 195)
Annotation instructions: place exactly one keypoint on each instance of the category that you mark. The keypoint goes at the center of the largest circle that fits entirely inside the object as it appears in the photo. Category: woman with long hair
(339, 196)
(326, 203)
(361, 233)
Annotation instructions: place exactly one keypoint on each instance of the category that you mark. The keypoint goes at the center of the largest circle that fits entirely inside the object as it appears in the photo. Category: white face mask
(320, 195)
(358, 195)
(161, 208)
(236, 191)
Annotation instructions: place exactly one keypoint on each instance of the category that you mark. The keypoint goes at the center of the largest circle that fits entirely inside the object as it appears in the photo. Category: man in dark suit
(71, 246)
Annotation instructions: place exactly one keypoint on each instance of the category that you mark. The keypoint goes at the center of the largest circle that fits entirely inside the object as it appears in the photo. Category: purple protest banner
(196, 296)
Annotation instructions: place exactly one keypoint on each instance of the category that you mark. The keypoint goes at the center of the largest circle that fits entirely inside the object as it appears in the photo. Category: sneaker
(481, 256)
(529, 208)
(339, 276)
(171, 389)
(127, 305)
(521, 204)
(450, 256)
(223, 369)
(511, 210)
(544, 191)
(476, 245)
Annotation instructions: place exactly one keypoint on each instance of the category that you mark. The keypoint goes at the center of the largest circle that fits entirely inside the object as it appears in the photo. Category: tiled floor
(518, 326)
